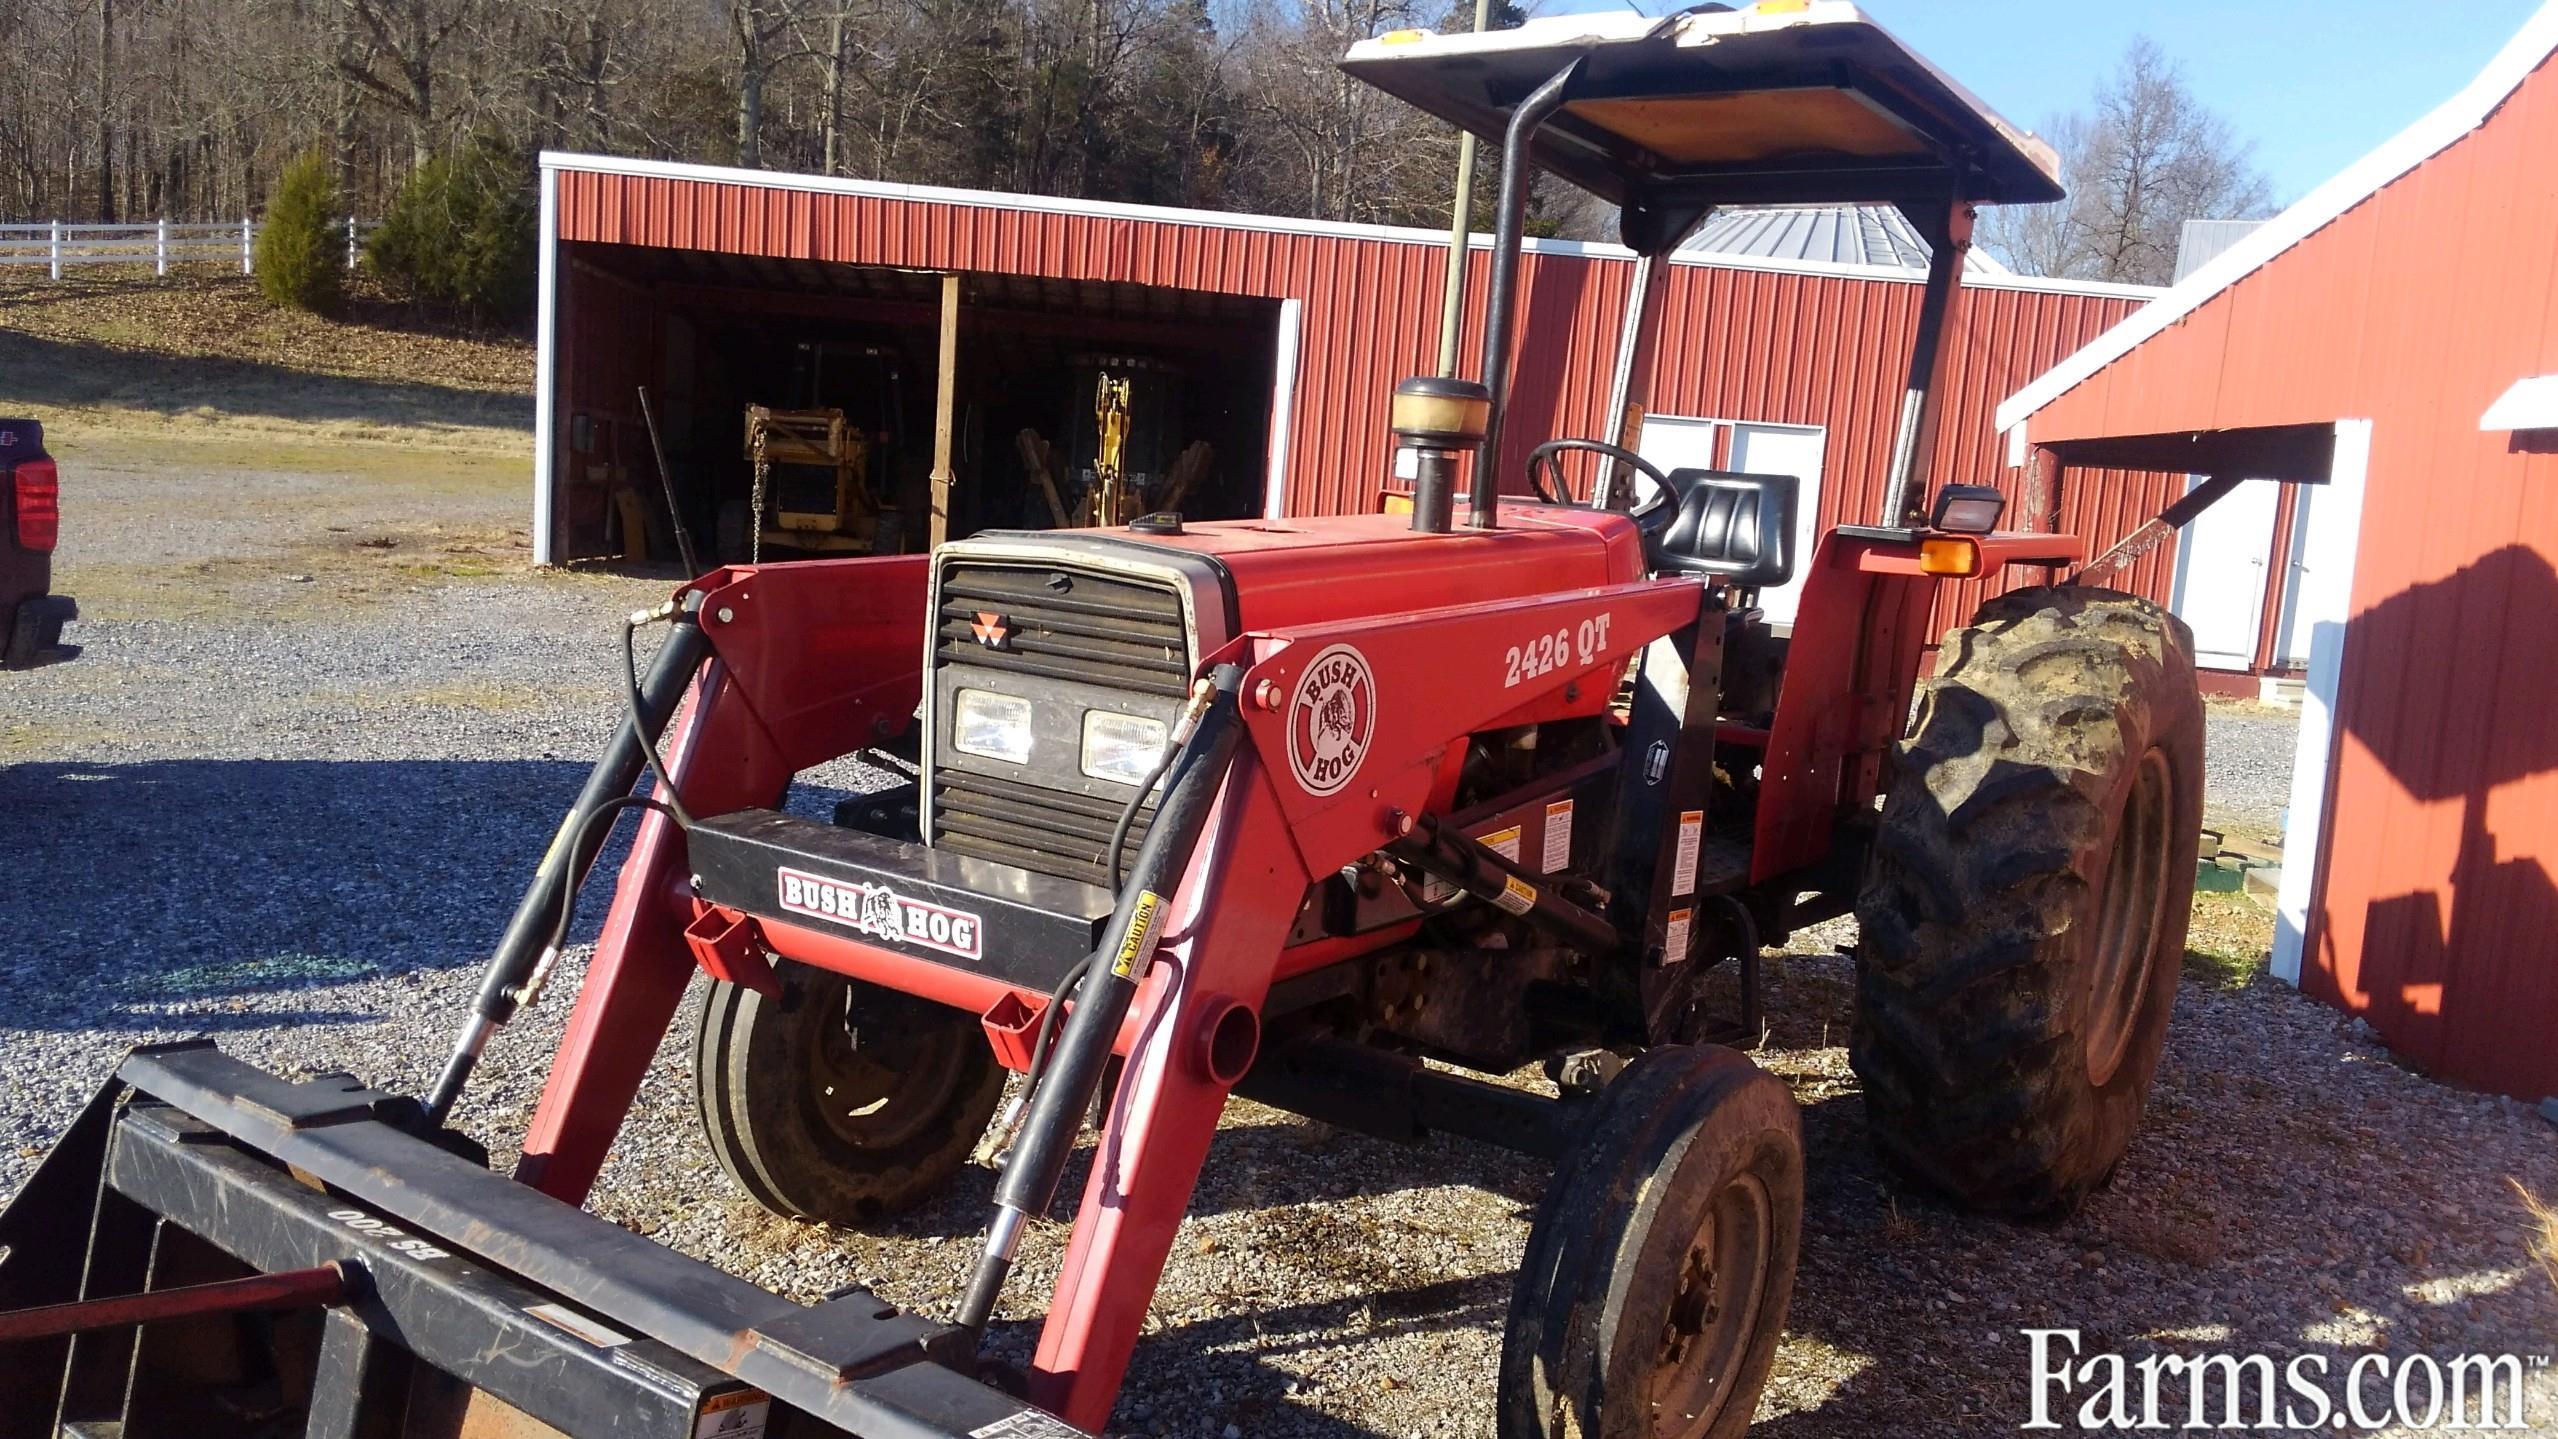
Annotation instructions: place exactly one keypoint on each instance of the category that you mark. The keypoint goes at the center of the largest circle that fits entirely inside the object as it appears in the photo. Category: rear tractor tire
(2024, 909)
(1662, 1259)
(840, 1101)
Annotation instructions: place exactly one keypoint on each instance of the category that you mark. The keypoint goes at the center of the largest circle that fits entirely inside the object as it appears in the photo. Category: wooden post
(945, 393)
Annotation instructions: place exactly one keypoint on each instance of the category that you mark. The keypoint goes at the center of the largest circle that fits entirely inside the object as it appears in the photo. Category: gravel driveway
(288, 794)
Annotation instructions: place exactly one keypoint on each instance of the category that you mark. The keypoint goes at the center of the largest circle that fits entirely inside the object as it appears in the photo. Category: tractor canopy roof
(1784, 101)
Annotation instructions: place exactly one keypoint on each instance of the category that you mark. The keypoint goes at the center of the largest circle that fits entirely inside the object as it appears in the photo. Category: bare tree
(190, 108)
(405, 38)
(2148, 157)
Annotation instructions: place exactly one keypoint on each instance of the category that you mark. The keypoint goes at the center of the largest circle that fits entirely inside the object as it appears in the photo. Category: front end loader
(1348, 815)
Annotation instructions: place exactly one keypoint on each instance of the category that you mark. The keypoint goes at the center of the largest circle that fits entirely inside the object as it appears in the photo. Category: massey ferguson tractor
(1333, 813)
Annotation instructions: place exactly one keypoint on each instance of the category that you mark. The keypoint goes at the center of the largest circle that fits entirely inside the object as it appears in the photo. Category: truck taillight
(38, 505)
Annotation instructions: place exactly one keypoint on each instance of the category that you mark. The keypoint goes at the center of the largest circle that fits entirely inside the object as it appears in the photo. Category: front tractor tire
(839, 1101)
(2024, 908)
(1660, 1264)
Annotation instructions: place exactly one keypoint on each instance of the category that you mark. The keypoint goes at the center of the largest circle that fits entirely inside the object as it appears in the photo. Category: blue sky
(2314, 85)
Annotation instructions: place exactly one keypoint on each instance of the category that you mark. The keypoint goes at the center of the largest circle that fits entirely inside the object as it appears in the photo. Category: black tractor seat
(1718, 524)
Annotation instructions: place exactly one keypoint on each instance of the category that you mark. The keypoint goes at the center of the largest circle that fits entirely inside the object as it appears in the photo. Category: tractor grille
(1031, 826)
(1059, 623)
(1067, 624)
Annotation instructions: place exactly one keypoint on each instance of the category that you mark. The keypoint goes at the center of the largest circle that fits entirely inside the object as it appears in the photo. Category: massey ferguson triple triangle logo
(1331, 720)
(991, 629)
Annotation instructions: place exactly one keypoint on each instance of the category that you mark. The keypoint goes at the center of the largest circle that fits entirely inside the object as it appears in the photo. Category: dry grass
(2229, 941)
(206, 355)
(317, 578)
(2542, 1240)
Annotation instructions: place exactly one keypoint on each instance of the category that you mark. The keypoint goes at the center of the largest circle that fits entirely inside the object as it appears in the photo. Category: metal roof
(1802, 102)
(2201, 241)
(1824, 234)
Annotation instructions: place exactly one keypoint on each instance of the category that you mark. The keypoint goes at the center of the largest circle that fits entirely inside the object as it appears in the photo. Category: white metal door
(2220, 574)
(1786, 450)
(1676, 443)
(1283, 409)
(2297, 622)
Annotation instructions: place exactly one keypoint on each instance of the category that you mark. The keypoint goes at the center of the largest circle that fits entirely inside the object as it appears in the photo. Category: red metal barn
(2391, 341)
(1286, 337)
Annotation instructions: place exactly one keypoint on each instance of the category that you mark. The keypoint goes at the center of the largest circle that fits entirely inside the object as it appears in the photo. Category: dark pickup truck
(30, 514)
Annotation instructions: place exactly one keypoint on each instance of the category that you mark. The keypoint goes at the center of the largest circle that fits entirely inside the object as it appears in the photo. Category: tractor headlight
(1121, 747)
(1968, 509)
(992, 725)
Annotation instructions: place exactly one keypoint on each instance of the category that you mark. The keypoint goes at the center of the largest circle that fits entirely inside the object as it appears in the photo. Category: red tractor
(1275, 808)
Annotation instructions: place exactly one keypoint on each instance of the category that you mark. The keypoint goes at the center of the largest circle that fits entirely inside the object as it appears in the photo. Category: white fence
(159, 244)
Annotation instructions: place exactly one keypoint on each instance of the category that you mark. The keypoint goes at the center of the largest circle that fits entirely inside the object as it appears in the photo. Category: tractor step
(467, 1290)
(983, 915)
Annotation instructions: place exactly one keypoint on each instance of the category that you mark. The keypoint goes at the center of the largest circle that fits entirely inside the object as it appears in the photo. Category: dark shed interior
(710, 334)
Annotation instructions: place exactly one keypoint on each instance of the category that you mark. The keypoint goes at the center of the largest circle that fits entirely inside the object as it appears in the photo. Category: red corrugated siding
(609, 343)
(2415, 310)
(1736, 344)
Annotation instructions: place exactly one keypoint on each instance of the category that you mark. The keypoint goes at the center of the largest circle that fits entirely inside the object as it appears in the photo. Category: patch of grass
(451, 570)
(2228, 942)
(473, 695)
(30, 739)
(2542, 1239)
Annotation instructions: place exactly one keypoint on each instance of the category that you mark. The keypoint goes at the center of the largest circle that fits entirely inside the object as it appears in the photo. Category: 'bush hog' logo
(877, 910)
(1331, 719)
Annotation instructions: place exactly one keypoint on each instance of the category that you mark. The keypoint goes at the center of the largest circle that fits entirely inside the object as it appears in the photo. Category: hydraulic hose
(1001, 1136)
(539, 928)
(1111, 976)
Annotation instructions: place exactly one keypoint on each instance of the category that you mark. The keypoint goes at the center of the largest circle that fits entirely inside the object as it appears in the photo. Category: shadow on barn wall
(2459, 978)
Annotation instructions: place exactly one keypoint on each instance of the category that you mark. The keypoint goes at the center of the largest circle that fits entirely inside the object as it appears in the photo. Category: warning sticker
(1028, 1424)
(1691, 839)
(1504, 842)
(1558, 837)
(1674, 936)
(738, 1414)
(1517, 895)
(1138, 949)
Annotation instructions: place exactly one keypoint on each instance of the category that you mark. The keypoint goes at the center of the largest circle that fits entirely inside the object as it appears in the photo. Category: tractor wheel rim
(1713, 1314)
(2127, 914)
(873, 1086)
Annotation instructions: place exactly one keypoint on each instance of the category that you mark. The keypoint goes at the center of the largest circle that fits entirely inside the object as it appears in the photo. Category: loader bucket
(409, 1292)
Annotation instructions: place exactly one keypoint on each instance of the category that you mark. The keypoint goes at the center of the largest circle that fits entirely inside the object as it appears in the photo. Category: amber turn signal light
(1949, 557)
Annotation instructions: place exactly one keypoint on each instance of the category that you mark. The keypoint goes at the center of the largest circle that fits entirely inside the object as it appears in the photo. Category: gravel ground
(292, 812)
(2247, 760)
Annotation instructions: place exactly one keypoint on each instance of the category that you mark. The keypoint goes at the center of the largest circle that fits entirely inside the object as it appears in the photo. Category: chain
(755, 515)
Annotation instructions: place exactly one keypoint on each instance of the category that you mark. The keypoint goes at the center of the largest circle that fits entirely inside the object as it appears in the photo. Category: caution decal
(1138, 949)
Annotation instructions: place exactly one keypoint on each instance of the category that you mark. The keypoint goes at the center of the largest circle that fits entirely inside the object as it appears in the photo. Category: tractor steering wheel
(1544, 463)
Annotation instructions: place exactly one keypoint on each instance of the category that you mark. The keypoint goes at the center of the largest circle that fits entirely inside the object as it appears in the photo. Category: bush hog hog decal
(1331, 720)
(883, 913)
